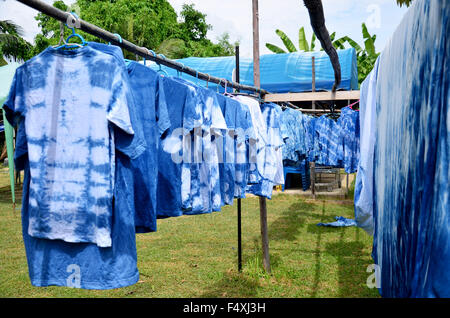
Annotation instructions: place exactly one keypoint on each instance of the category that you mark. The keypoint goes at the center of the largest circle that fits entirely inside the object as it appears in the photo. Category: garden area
(196, 256)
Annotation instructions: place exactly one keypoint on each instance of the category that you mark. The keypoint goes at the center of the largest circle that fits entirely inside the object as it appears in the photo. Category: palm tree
(12, 45)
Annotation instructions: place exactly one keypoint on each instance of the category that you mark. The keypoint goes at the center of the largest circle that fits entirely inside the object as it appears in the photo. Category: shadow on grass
(6, 195)
(351, 267)
(287, 226)
(235, 284)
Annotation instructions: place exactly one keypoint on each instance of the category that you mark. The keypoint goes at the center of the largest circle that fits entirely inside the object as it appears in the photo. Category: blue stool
(302, 170)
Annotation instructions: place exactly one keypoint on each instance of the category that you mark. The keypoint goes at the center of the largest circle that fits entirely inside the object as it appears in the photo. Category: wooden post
(257, 83)
(313, 164)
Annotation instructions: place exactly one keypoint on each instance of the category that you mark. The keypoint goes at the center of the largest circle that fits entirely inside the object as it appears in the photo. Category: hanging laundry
(245, 140)
(84, 265)
(185, 113)
(257, 151)
(327, 146)
(293, 125)
(271, 160)
(349, 126)
(152, 113)
(364, 178)
(411, 156)
(227, 171)
(71, 154)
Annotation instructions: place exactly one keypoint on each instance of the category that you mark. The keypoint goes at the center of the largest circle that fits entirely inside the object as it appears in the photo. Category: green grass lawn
(196, 256)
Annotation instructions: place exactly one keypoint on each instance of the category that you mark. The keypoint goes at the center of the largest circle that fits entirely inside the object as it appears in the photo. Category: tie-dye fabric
(411, 156)
(310, 140)
(244, 140)
(293, 126)
(257, 151)
(349, 125)
(152, 114)
(83, 265)
(279, 175)
(327, 142)
(271, 161)
(364, 178)
(71, 154)
(174, 176)
(206, 196)
(227, 171)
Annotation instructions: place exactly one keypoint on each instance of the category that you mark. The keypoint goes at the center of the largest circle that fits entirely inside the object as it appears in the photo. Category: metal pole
(239, 214)
(127, 45)
(256, 83)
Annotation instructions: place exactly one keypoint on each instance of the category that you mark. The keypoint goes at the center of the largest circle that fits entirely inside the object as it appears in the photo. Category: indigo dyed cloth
(184, 113)
(245, 139)
(152, 113)
(350, 135)
(257, 152)
(206, 196)
(293, 127)
(364, 178)
(84, 265)
(310, 137)
(411, 156)
(340, 222)
(327, 146)
(272, 160)
(227, 170)
(72, 157)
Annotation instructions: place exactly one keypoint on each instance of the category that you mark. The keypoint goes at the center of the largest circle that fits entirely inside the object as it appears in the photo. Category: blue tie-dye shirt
(68, 99)
(245, 137)
(271, 161)
(293, 126)
(327, 145)
(174, 176)
(152, 114)
(349, 125)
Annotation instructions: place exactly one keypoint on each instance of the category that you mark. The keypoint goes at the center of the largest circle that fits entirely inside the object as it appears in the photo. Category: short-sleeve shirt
(328, 148)
(245, 137)
(183, 111)
(68, 101)
(152, 113)
(349, 125)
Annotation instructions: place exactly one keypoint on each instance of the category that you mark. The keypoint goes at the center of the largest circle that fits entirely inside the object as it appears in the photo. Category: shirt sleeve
(15, 106)
(118, 112)
(128, 129)
(162, 112)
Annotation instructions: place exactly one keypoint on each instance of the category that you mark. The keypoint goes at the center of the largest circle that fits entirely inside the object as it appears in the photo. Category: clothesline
(141, 51)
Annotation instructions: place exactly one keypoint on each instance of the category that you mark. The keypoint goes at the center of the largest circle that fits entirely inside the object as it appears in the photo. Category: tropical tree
(12, 45)
(151, 24)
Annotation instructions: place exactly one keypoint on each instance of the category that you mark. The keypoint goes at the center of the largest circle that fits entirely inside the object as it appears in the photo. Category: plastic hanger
(160, 69)
(226, 91)
(66, 44)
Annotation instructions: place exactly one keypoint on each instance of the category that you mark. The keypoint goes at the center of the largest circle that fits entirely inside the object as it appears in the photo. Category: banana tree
(303, 45)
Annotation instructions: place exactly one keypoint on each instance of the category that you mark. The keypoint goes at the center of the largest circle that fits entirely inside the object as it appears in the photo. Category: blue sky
(235, 17)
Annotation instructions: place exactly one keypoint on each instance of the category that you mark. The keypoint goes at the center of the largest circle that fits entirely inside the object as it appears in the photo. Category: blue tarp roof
(280, 73)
